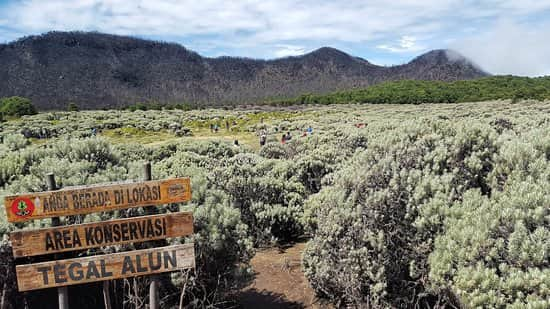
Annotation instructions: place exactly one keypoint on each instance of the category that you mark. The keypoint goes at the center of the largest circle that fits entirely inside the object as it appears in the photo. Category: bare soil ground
(279, 281)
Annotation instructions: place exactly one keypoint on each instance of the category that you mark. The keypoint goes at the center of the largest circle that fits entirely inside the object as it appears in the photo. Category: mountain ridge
(96, 70)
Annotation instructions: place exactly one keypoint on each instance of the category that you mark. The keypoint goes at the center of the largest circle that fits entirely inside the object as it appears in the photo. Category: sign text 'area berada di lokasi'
(84, 200)
(105, 267)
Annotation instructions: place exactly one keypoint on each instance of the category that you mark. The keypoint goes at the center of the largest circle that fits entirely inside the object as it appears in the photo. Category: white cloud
(254, 27)
(289, 50)
(406, 44)
(510, 48)
(271, 21)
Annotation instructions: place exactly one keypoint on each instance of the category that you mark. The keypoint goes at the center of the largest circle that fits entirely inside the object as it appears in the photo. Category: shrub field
(404, 206)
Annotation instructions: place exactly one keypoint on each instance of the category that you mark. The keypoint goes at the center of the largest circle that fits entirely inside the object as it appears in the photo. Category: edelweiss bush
(495, 251)
(270, 201)
(405, 206)
(374, 226)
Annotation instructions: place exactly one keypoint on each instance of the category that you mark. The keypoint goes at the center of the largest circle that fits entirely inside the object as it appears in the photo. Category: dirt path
(279, 281)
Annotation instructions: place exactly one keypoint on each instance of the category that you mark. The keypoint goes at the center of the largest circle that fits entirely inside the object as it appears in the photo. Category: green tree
(138, 106)
(17, 106)
(72, 107)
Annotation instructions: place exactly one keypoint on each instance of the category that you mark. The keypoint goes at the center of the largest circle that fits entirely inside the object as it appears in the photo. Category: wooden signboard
(105, 267)
(84, 200)
(99, 234)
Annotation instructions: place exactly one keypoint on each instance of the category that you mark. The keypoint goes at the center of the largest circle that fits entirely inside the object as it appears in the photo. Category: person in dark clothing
(288, 136)
(263, 139)
(283, 139)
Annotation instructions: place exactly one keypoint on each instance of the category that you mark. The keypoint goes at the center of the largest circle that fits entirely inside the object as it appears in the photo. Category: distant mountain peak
(441, 56)
(327, 50)
(447, 57)
(334, 53)
(98, 70)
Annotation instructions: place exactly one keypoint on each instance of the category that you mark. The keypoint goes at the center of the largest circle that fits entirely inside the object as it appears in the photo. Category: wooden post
(50, 181)
(154, 286)
(3, 303)
(106, 295)
(154, 294)
(147, 171)
(62, 292)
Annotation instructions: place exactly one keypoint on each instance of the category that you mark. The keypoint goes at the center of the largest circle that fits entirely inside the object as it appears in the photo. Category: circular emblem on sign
(22, 207)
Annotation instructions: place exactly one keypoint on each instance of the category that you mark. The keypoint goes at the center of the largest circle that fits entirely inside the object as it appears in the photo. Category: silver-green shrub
(495, 251)
(269, 199)
(374, 227)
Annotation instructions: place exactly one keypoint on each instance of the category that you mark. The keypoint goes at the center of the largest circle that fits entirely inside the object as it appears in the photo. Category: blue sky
(502, 36)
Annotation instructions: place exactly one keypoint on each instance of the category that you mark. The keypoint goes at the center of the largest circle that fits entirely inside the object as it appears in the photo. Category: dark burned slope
(99, 70)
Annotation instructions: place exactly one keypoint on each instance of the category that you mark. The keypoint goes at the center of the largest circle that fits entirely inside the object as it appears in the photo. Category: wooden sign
(105, 267)
(99, 234)
(84, 200)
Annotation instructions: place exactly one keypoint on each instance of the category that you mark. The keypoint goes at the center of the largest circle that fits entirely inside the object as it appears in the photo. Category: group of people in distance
(285, 138)
(215, 127)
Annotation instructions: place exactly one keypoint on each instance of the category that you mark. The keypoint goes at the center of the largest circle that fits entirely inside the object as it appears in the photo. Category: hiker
(26, 133)
(288, 136)
(211, 128)
(94, 131)
(283, 139)
(227, 125)
(309, 130)
(236, 143)
(263, 138)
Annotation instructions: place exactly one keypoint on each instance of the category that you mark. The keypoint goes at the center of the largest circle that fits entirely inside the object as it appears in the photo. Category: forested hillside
(416, 92)
(96, 70)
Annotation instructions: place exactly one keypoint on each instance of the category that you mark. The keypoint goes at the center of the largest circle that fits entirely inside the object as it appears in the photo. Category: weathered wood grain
(99, 234)
(105, 267)
(84, 200)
